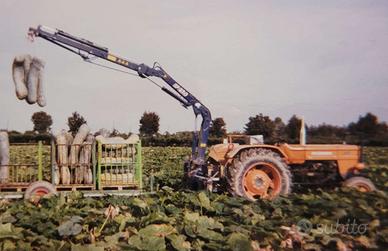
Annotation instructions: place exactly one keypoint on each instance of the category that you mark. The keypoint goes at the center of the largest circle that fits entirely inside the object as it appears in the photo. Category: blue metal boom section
(88, 50)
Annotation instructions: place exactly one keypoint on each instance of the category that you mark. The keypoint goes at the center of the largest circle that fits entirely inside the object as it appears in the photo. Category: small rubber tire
(360, 183)
(38, 189)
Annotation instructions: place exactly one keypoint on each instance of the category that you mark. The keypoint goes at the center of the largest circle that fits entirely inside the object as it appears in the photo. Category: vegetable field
(178, 219)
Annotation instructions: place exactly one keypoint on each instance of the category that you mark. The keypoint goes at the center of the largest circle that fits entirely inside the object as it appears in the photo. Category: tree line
(41, 130)
(367, 130)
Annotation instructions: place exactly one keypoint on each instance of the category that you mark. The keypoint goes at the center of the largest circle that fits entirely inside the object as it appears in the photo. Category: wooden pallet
(75, 187)
(118, 187)
(13, 187)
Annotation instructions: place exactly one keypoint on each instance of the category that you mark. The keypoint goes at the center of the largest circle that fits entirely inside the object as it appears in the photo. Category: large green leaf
(90, 247)
(204, 201)
(7, 231)
(70, 227)
(139, 203)
(202, 226)
(239, 242)
(179, 242)
(152, 237)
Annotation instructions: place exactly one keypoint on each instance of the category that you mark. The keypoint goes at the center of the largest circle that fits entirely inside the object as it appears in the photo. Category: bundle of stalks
(4, 157)
(74, 157)
(27, 73)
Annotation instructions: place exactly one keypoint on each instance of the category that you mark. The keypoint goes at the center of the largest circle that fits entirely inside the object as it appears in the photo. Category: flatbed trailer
(116, 170)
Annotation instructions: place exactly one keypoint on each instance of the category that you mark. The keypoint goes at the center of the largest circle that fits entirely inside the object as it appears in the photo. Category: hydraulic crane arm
(88, 50)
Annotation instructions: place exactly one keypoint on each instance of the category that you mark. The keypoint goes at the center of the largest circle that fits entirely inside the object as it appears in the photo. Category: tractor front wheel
(362, 184)
(259, 173)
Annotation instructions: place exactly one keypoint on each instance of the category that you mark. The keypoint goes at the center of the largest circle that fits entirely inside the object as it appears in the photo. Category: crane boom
(87, 49)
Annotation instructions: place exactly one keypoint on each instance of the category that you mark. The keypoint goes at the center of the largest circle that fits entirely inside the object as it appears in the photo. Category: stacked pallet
(117, 159)
(73, 163)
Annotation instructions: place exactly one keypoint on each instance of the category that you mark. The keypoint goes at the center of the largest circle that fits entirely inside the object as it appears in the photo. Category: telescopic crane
(89, 51)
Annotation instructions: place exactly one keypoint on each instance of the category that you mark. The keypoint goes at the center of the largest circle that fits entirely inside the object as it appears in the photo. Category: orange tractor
(258, 171)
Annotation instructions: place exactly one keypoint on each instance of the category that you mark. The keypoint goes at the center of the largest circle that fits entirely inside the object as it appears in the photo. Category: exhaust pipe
(302, 133)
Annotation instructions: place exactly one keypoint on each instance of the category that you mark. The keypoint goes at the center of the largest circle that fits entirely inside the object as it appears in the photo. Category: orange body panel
(346, 156)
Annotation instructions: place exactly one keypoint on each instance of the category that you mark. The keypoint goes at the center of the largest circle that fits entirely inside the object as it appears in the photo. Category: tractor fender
(239, 148)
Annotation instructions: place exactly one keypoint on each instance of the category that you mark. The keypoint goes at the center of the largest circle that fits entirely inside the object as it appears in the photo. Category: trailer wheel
(362, 184)
(259, 173)
(38, 189)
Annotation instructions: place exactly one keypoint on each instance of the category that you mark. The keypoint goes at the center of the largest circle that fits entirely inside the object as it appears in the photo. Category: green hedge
(29, 138)
(173, 140)
(186, 139)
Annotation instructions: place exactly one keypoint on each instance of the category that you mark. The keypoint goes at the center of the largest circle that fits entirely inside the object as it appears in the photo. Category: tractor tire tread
(239, 164)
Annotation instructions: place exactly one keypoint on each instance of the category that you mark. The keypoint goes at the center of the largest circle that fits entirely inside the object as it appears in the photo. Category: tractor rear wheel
(362, 184)
(259, 173)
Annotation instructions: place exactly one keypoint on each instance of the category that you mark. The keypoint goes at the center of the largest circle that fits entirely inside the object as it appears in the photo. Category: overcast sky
(324, 60)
